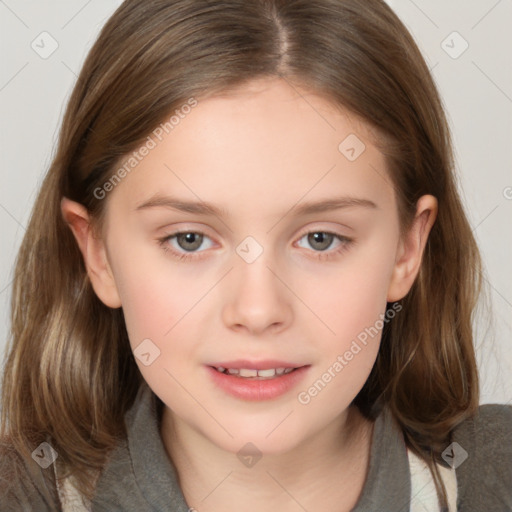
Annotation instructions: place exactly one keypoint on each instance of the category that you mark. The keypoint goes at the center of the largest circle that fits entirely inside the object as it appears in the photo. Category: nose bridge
(257, 298)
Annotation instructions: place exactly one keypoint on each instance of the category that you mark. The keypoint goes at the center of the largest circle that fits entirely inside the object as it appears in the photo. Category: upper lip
(267, 364)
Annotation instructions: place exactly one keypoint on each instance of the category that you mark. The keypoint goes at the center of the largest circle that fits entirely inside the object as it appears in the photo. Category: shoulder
(488, 432)
(483, 459)
(23, 486)
(490, 419)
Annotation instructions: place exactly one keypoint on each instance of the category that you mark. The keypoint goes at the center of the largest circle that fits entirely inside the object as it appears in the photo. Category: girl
(248, 281)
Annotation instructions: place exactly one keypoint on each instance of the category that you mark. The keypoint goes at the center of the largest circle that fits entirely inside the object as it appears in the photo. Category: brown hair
(70, 373)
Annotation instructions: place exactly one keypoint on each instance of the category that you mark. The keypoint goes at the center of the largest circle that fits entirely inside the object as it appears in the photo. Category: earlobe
(93, 251)
(411, 248)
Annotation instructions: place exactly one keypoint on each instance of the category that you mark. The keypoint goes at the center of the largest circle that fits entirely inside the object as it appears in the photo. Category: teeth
(266, 373)
(248, 373)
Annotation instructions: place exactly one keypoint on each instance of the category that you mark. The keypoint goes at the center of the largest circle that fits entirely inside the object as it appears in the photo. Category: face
(262, 282)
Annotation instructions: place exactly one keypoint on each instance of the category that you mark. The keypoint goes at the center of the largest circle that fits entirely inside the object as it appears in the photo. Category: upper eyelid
(302, 233)
(314, 229)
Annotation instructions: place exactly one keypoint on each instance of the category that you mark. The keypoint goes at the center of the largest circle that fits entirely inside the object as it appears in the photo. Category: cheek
(160, 304)
(354, 308)
(159, 316)
(351, 303)
(155, 292)
(351, 297)
(149, 308)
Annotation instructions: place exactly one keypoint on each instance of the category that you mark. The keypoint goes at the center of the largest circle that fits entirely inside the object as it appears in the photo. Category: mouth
(254, 374)
(252, 381)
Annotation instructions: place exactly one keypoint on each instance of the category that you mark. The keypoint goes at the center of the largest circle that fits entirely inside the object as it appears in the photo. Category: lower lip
(255, 389)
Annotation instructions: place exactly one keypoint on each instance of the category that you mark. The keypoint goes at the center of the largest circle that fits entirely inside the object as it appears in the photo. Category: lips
(257, 380)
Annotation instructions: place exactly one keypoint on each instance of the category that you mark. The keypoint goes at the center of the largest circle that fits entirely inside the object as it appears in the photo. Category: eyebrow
(208, 209)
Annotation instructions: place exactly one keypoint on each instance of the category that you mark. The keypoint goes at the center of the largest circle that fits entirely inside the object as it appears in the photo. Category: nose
(257, 298)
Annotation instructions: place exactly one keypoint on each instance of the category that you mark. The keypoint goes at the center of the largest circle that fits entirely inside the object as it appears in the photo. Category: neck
(327, 471)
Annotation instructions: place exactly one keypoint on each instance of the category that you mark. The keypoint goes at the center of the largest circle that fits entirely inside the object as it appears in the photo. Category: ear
(411, 247)
(93, 251)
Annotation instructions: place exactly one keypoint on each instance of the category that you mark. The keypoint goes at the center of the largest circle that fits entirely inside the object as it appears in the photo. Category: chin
(269, 437)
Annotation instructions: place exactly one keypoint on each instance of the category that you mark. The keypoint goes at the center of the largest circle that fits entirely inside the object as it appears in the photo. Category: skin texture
(257, 152)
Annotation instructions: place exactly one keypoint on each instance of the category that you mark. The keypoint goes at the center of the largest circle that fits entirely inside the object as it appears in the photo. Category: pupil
(321, 238)
(188, 238)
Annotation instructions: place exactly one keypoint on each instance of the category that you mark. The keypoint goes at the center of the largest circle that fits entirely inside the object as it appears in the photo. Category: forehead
(266, 142)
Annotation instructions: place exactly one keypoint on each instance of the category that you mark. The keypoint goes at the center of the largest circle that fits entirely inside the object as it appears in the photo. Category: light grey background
(476, 87)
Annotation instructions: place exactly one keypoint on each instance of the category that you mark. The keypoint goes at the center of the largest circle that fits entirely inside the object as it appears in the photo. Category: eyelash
(322, 255)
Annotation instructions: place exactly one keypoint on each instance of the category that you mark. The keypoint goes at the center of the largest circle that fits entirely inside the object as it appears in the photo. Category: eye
(322, 240)
(188, 241)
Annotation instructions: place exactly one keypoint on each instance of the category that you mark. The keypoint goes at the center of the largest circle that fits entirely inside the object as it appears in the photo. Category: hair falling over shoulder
(69, 371)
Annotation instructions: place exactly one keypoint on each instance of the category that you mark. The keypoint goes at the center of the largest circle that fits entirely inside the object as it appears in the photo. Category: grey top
(140, 477)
